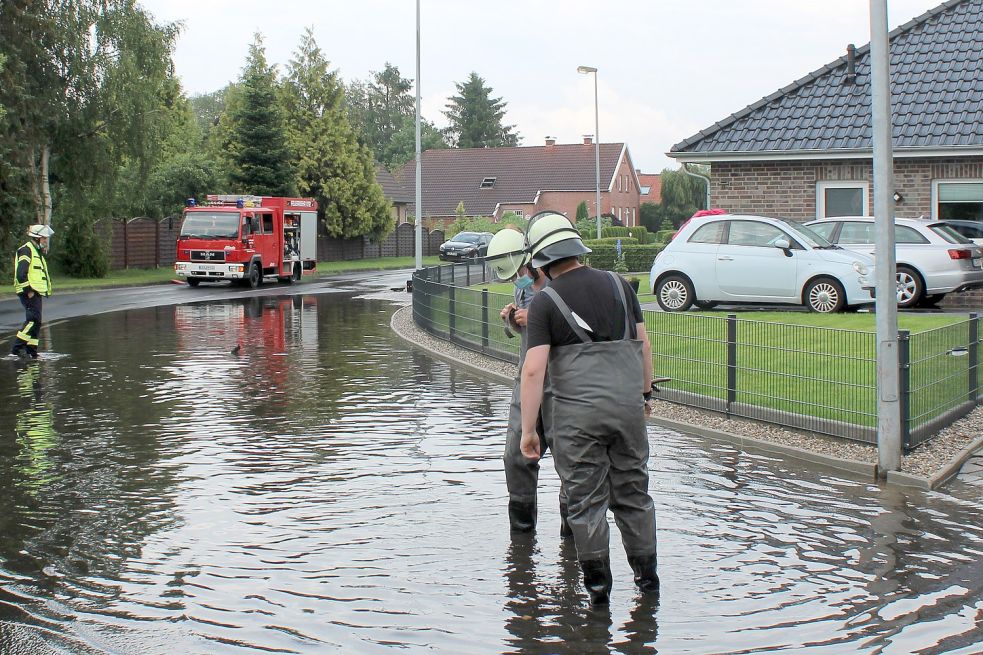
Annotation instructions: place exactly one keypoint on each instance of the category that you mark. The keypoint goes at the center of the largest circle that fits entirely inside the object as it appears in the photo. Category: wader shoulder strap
(567, 314)
(619, 292)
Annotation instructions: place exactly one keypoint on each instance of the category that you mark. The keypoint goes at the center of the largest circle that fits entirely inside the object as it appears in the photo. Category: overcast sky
(667, 68)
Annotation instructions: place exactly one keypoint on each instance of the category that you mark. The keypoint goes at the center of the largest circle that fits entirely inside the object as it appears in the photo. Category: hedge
(663, 236)
(638, 232)
(638, 258)
(612, 241)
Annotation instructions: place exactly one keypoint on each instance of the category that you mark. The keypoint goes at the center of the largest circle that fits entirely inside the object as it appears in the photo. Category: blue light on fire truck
(190, 202)
(240, 203)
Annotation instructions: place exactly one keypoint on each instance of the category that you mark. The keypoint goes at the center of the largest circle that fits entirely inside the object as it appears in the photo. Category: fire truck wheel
(253, 278)
(193, 281)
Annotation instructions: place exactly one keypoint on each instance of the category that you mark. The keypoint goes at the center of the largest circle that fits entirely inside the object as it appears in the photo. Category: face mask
(523, 282)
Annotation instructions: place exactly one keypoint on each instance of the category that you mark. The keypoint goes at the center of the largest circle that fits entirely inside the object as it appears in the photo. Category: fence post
(467, 277)
(904, 387)
(126, 246)
(484, 319)
(451, 309)
(731, 360)
(439, 273)
(974, 357)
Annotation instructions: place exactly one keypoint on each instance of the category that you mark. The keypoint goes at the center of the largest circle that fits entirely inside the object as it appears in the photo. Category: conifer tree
(332, 166)
(259, 151)
(476, 118)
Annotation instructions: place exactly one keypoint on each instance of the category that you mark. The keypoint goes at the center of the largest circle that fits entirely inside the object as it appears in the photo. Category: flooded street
(327, 489)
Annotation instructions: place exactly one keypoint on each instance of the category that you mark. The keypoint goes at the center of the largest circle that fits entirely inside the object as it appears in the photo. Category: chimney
(588, 139)
(851, 65)
(550, 141)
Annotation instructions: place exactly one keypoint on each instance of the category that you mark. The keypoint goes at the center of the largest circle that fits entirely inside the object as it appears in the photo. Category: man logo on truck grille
(207, 255)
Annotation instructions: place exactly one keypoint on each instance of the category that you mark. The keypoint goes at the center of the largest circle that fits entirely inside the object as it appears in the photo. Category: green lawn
(818, 365)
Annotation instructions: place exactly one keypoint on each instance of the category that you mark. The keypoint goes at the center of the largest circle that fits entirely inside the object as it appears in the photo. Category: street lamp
(597, 145)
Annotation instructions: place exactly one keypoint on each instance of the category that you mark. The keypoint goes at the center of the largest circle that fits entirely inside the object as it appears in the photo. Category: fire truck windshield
(210, 225)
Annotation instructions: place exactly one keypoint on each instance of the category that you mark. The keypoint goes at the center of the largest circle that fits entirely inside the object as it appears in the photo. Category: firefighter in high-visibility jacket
(31, 283)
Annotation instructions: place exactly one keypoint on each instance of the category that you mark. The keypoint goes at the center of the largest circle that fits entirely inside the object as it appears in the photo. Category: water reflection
(324, 488)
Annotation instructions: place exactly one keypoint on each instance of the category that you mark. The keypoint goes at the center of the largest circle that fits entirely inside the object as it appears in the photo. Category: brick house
(400, 197)
(805, 151)
(650, 185)
(525, 180)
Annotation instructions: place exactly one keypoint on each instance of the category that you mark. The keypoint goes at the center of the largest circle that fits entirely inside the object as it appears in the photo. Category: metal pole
(419, 177)
(597, 155)
(888, 378)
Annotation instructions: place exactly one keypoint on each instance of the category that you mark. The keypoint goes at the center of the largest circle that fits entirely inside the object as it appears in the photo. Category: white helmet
(39, 231)
(550, 237)
(507, 253)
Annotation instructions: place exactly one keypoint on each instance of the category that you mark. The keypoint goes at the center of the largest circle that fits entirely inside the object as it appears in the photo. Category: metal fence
(811, 378)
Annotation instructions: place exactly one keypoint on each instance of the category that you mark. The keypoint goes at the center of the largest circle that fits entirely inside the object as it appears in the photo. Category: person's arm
(23, 264)
(531, 398)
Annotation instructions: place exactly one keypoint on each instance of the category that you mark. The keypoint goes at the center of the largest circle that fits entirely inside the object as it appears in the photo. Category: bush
(638, 233)
(625, 241)
(637, 258)
(663, 236)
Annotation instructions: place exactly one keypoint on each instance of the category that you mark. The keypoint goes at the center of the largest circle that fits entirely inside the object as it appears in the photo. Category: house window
(958, 200)
(488, 182)
(841, 199)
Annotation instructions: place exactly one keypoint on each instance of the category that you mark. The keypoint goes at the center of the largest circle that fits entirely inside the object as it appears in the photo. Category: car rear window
(947, 233)
(905, 234)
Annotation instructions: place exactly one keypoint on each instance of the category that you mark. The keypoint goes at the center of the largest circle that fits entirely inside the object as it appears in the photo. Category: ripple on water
(330, 490)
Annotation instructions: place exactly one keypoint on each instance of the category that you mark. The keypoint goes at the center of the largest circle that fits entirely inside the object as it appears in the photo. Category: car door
(751, 267)
(697, 257)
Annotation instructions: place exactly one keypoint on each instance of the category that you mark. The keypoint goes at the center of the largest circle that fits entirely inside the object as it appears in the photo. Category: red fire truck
(246, 239)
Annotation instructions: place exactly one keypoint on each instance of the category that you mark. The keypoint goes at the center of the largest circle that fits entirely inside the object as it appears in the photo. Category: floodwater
(328, 489)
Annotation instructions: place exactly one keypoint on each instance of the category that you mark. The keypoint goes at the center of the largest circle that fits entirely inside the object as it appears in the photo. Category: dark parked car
(465, 245)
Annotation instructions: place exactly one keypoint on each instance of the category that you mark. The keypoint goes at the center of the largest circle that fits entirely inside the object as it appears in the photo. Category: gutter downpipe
(706, 180)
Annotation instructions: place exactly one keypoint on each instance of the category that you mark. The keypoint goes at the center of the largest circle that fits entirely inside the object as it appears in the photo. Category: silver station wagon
(932, 258)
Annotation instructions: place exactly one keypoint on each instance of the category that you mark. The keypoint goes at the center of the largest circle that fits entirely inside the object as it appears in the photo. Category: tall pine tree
(259, 151)
(476, 118)
(332, 166)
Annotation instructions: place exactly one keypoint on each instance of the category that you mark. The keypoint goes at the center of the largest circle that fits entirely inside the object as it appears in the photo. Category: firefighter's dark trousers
(26, 339)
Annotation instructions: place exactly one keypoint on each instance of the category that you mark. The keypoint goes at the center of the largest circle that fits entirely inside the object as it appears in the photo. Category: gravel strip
(927, 460)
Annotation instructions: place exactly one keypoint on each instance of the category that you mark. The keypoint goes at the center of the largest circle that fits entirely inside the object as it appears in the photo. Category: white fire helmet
(507, 253)
(39, 231)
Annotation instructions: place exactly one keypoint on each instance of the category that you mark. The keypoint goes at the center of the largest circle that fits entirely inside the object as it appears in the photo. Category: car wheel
(706, 304)
(193, 281)
(674, 293)
(910, 287)
(824, 296)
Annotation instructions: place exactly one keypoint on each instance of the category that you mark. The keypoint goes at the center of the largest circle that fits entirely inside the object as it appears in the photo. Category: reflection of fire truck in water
(246, 239)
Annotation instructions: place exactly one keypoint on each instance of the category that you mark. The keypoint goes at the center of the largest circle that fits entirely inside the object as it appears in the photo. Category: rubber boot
(646, 578)
(597, 579)
(522, 516)
(565, 531)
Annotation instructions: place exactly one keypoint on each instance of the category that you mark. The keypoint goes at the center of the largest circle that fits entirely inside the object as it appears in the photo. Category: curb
(951, 469)
(853, 467)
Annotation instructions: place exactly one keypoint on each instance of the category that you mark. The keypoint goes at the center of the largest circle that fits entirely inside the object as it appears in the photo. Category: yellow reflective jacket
(31, 270)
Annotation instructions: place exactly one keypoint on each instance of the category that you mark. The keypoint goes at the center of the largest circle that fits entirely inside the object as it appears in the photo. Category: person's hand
(520, 317)
(505, 311)
(529, 445)
(30, 293)
(648, 407)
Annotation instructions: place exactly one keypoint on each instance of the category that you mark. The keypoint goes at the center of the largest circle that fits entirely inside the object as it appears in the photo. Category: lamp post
(597, 145)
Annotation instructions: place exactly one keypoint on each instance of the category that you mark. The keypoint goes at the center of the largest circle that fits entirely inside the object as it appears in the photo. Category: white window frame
(847, 184)
(935, 191)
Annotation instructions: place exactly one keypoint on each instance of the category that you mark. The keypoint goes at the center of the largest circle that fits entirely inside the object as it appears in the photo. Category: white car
(931, 257)
(753, 259)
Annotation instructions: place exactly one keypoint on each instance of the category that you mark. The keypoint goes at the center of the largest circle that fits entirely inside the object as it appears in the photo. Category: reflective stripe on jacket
(31, 270)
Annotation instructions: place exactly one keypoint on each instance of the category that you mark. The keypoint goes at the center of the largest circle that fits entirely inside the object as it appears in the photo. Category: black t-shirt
(591, 296)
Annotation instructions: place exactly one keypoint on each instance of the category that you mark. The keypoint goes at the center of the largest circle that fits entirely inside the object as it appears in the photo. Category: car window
(905, 234)
(857, 232)
(709, 233)
(950, 234)
(825, 230)
(752, 233)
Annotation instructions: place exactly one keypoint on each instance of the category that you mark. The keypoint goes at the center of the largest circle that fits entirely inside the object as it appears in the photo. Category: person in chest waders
(587, 326)
(31, 283)
(509, 260)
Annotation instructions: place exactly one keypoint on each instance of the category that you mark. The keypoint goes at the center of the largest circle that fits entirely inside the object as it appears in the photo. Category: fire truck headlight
(180, 266)
(237, 268)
